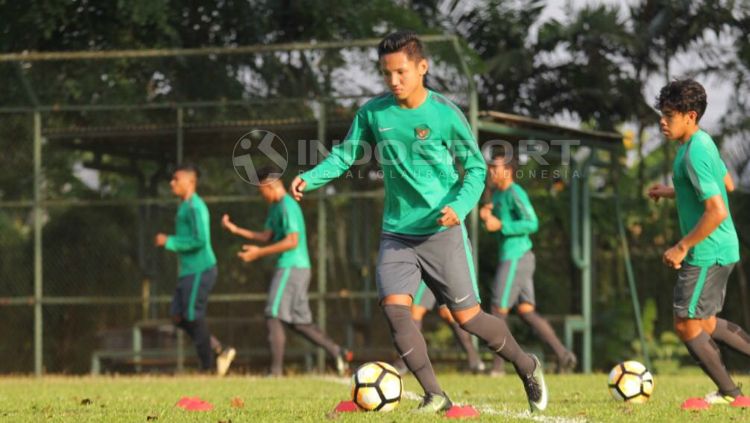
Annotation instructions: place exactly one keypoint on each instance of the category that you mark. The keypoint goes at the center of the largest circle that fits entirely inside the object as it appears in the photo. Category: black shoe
(435, 403)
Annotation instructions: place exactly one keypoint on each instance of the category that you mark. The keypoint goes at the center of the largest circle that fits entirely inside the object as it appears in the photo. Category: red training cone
(461, 412)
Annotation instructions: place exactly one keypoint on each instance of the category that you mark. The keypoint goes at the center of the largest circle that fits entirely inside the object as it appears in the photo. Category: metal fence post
(38, 327)
(322, 244)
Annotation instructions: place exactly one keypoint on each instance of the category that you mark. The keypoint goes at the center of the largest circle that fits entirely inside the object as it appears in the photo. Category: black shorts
(700, 290)
(191, 295)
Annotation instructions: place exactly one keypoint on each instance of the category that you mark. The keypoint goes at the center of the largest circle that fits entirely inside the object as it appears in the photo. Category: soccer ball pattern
(631, 382)
(376, 386)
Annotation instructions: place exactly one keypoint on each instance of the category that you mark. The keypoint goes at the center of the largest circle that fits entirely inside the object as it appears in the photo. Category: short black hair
(188, 167)
(510, 163)
(405, 41)
(267, 172)
(682, 96)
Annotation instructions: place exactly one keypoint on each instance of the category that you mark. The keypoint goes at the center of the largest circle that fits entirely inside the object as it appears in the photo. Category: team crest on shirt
(422, 132)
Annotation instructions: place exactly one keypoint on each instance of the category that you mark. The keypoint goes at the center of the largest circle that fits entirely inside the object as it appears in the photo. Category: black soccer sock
(464, 338)
(732, 336)
(198, 332)
(498, 363)
(495, 333)
(545, 332)
(276, 340)
(411, 346)
(313, 334)
(705, 351)
(399, 363)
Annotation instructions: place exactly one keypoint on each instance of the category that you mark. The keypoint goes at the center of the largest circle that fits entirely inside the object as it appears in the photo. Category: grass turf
(311, 399)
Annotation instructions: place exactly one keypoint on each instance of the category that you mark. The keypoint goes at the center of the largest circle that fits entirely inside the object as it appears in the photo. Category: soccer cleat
(342, 362)
(568, 363)
(717, 398)
(224, 360)
(536, 389)
(434, 403)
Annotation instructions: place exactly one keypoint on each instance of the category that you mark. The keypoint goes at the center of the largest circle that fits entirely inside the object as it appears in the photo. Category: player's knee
(524, 308)
(687, 329)
(445, 314)
(418, 312)
(463, 316)
(397, 299)
(500, 311)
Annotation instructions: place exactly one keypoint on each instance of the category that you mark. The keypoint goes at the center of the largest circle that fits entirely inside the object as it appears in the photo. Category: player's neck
(187, 195)
(504, 185)
(279, 196)
(689, 134)
(415, 99)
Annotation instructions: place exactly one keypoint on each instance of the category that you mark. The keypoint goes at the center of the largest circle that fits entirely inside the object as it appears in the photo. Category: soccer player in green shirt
(287, 295)
(709, 248)
(197, 275)
(511, 217)
(418, 136)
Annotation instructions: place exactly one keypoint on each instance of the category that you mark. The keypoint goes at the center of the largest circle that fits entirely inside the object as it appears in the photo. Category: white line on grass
(482, 408)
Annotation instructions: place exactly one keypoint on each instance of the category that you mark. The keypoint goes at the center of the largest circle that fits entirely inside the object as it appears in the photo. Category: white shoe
(224, 360)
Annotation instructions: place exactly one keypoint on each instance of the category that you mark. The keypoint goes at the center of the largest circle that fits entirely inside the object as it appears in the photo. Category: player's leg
(193, 291)
(398, 277)
(418, 311)
(300, 318)
(505, 293)
(566, 360)
(448, 269)
(276, 341)
(698, 296)
(526, 308)
(274, 306)
(728, 333)
(464, 339)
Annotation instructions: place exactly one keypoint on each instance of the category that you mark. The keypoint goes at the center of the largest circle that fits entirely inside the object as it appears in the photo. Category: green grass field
(574, 398)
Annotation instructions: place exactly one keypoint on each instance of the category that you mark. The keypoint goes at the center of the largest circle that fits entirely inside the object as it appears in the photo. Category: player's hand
(449, 218)
(160, 240)
(227, 224)
(658, 191)
(297, 187)
(249, 253)
(485, 212)
(674, 256)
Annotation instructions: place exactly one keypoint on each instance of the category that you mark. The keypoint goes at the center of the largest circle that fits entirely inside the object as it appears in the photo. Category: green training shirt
(285, 217)
(514, 209)
(416, 149)
(698, 174)
(192, 238)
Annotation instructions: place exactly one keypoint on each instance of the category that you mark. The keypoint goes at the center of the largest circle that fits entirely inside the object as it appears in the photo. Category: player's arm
(197, 234)
(701, 174)
(527, 223)
(464, 148)
(230, 226)
(658, 191)
(341, 158)
(715, 212)
(491, 222)
(253, 252)
(729, 182)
